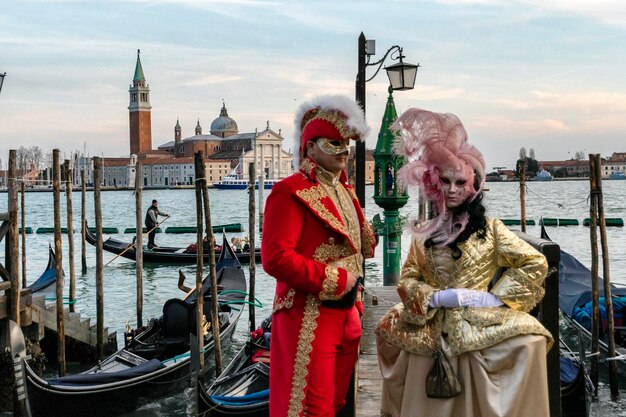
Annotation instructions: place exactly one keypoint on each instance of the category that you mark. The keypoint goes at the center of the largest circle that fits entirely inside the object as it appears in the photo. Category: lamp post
(401, 77)
(388, 195)
(2, 80)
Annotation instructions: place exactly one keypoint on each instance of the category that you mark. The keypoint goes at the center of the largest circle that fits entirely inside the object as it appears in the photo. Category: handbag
(441, 382)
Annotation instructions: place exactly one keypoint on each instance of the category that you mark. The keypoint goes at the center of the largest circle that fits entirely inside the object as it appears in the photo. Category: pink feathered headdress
(431, 142)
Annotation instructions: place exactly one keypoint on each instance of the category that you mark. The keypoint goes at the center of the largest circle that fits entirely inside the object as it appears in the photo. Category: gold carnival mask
(333, 146)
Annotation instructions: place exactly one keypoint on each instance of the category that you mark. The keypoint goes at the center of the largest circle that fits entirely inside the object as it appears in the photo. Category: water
(547, 199)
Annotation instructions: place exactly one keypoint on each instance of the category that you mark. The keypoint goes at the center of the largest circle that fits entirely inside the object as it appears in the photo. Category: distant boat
(617, 175)
(543, 175)
(234, 181)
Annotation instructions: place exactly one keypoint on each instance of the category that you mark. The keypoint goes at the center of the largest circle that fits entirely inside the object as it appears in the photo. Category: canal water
(567, 199)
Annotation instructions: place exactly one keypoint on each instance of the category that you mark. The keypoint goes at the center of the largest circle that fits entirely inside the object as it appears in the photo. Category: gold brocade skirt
(505, 380)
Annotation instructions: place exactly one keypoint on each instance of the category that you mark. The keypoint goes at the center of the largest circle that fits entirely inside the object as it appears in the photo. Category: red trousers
(332, 359)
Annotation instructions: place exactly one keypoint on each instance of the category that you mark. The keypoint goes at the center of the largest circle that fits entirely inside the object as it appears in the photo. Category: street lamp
(2, 80)
(401, 77)
(388, 194)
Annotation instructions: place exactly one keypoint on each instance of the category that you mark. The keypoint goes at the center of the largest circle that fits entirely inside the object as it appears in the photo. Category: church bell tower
(139, 113)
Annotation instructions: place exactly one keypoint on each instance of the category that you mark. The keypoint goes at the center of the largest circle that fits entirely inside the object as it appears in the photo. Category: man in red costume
(315, 238)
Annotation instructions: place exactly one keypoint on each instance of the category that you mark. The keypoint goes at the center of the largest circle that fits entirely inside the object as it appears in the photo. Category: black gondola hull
(147, 368)
(161, 254)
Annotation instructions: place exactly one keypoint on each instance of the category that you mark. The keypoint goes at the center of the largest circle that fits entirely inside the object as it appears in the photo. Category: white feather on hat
(355, 119)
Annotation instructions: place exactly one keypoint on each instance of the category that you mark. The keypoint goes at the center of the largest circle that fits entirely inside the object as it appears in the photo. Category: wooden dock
(369, 380)
(37, 316)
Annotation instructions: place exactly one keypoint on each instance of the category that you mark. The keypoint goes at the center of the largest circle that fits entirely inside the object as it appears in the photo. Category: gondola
(46, 283)
(243, 388)
(161, 254)
(575, 297)
(576, 386)
(153, 364)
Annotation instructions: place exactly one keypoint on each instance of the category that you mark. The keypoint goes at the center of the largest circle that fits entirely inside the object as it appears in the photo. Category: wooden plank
(369, 381)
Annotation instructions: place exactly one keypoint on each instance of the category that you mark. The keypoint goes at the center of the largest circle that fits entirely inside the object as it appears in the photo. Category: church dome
(224, 126)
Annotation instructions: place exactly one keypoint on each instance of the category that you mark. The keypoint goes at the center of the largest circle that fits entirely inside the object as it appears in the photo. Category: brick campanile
(139, 113)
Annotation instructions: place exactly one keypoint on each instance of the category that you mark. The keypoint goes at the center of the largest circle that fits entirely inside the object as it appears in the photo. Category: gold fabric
(303, 355)
(413, 326)
(339, 256)
(505, 380)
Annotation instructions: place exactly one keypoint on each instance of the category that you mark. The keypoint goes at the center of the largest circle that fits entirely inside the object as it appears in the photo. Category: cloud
(212, 79)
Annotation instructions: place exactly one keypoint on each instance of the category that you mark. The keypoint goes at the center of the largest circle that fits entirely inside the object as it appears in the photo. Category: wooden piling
(198, 156)
(595, 307)
(97, 173)
(70, 232)
(522, 195)
(12, 245)
(215, 323)
(139, 241)
(56, 188)
(23, 222)
(83, 227)
(251, 217)
(261, 200)
(606, 274)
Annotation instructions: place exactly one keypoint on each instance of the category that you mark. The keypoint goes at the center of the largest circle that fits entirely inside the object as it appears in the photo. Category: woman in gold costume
(496, 350)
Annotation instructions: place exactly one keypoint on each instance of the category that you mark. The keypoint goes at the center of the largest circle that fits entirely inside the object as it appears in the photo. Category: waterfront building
(615, 163)
(172, 164)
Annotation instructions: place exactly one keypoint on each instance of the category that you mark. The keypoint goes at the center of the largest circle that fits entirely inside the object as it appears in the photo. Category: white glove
(463, 297)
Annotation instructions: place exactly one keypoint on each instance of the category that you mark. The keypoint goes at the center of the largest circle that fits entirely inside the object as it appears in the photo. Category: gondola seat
(179, 320)
(108, 377)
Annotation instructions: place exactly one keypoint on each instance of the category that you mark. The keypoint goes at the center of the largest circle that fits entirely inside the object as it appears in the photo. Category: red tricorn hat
(334, 117)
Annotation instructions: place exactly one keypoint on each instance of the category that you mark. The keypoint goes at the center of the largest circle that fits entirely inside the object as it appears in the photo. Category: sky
(543, 75)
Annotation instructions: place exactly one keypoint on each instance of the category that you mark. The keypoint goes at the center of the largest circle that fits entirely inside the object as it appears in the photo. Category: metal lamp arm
(394, 48)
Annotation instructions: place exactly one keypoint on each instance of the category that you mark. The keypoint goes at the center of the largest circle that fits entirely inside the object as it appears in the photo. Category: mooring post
(139, 241)
(522, 195)
(23, 222)
(70, 232)
(251, 218)
(606, 274)
(83, 214)
(97, 172)
(12, 245)
(261, 200)
(595, 306)
(198, 156)
(56, 188)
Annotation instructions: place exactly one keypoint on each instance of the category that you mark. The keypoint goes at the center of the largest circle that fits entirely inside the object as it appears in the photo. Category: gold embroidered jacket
(314, 234)
(414, 327)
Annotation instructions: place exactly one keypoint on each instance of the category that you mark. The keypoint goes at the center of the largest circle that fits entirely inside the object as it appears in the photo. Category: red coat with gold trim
(302, 233)
(304, 241)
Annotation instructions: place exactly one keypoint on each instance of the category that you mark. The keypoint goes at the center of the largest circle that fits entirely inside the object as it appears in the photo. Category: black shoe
(151, 245)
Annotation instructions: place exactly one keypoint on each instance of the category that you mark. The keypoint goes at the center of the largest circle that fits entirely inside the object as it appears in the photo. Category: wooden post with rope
(215, 313)
(139, 238)
(200, 260)
(12, 248)
(97, 172)
(251, 217)
(70, 231)
(83, 221)
(606, 274)
(56, 188)
(595, 306)
(522, 195)
(261, 201)
(23, 223)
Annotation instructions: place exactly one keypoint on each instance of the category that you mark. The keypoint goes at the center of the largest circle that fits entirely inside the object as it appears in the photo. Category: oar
(132, 245)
